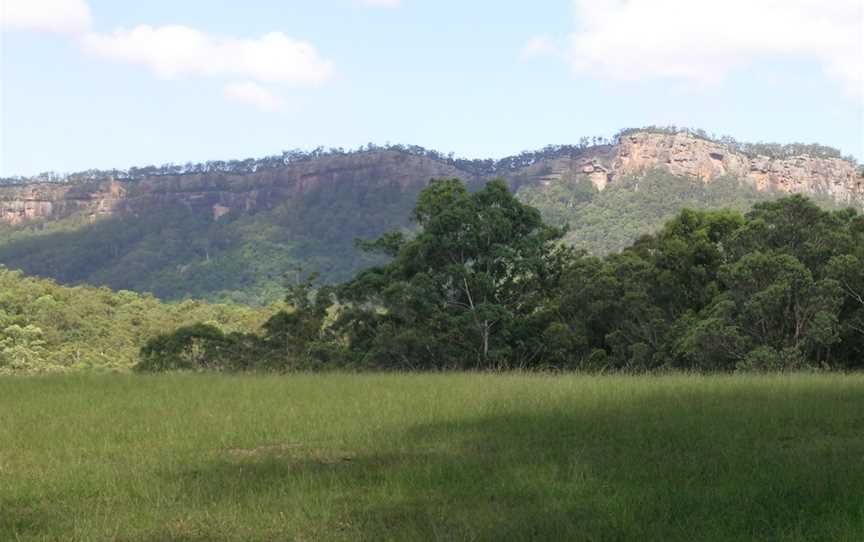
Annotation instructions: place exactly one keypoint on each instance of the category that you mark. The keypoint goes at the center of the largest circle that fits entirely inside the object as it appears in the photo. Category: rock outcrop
(219, 193)
(686, 155)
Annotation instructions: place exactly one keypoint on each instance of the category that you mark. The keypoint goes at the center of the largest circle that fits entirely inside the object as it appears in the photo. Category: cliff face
(685, 155)
(219, 193)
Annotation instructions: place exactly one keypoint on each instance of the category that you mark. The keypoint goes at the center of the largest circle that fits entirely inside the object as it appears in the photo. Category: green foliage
(779, 288)
(482, 282)
(291, 339)
(45, 327)
(719, 291)
(198, 346)
(611, 220)
(23, 350)
(486, 284)
(178, 253)
(301, 338)
(463, 291)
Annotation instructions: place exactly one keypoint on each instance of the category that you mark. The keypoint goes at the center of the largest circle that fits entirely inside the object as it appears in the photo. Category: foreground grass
(437, 457)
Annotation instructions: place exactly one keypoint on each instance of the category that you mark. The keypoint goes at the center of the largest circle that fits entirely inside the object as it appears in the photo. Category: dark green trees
(466, 292)
(195, 347)
(300, 338)
(289, 340)
(780, 303)
(486, 284)
(779, 288)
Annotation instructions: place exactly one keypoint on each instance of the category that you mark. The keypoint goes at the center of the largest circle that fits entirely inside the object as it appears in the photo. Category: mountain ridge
(223, 235)
(680, 153)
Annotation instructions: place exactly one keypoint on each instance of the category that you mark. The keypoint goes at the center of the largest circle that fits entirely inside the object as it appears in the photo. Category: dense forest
(609, 221)
(176, 249)
(177, 253)
(484, 283)
(45, 327)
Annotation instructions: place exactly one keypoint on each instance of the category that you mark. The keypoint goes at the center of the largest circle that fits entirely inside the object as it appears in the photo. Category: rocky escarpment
(686, 155)
(220, 193)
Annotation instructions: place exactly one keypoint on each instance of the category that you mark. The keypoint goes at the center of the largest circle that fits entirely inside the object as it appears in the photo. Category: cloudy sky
(116, 83)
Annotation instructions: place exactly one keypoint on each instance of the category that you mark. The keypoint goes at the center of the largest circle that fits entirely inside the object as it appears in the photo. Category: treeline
(477, 167)
(486, 284)
(45, 327)
(751, 150)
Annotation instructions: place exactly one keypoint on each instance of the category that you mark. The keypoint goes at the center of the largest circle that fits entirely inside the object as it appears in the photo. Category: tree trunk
(485, 340)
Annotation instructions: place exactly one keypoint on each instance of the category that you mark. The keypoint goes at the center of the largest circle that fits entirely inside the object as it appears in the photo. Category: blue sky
(99, 83)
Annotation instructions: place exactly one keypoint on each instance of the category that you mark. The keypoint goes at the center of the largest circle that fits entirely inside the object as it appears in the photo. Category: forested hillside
(484, 284)
(609, 221)
(45, 327)
(227, 231)
(175, 252)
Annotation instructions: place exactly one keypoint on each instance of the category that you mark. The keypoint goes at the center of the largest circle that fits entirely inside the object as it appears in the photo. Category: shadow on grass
(742, 468)
(746, 464)
(26, 518)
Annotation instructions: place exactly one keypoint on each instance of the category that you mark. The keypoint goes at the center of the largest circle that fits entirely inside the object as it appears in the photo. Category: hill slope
(45, 327)
(228, 231)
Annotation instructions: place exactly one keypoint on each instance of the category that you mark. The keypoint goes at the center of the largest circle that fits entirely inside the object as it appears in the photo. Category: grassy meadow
(432, 457)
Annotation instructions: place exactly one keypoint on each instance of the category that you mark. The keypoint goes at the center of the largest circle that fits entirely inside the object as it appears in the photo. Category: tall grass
(432, 457)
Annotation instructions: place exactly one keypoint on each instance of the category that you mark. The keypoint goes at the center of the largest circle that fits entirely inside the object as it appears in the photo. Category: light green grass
(432, 457)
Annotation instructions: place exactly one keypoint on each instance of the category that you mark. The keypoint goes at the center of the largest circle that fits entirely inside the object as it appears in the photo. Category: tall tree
(468, 290)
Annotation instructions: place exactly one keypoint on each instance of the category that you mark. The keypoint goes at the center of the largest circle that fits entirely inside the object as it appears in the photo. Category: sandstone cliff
(217, 193)
(220, 193)
(683, 154)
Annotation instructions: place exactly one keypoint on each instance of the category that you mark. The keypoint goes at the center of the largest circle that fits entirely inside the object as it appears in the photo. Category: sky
(119, 83)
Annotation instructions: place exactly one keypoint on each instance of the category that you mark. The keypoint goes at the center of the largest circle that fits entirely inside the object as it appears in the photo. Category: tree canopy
(484, 283)
(460, 293)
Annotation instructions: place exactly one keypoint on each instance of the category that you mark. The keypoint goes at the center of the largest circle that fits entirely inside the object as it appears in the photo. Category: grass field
(432, 457)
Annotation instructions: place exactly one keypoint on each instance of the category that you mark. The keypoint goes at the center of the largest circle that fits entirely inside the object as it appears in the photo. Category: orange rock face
(683, 154)
(680, 154)
(219, 193)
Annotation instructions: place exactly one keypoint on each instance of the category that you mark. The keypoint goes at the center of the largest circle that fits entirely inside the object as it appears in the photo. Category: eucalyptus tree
(467, 291)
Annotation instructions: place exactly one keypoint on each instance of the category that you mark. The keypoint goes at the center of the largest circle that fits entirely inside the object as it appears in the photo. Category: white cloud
(55, 16)
(382, 3)
(540, 46)
(251, 93)
(174, 50)
(705, 40)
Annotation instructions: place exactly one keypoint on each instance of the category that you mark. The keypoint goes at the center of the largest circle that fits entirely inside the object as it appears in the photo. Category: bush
(195, 347)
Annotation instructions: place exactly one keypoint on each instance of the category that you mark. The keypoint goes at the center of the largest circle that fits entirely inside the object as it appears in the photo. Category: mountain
(230, 230)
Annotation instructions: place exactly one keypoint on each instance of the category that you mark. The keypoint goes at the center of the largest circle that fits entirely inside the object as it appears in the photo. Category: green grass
(432, 457)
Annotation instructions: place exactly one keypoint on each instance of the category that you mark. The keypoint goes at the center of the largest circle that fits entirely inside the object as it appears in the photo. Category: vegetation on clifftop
(473, 166)
(749, 149)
